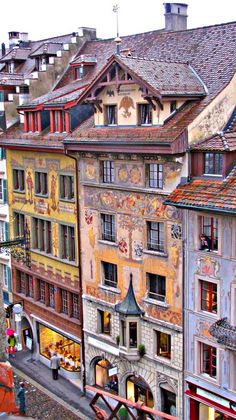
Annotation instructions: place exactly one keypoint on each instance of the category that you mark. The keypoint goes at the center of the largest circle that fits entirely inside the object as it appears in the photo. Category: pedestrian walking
(12, 342)
(55, 365)
(21, 399)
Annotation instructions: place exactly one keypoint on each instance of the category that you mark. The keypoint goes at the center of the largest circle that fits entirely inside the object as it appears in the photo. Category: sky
(47, 18)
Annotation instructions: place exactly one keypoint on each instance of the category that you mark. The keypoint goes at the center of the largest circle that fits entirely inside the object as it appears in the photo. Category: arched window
(138, 390)
(105, 376)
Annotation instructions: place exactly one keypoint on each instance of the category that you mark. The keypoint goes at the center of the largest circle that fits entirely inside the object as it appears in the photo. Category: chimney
(175, 16)
(3, 49)
(14, 38)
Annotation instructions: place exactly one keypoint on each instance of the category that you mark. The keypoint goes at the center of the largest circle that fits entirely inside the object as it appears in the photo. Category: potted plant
(123, 413)
(141, 350)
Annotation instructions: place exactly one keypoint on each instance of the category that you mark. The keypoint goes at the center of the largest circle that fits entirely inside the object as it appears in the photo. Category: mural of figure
(53, 192)
(30, 186)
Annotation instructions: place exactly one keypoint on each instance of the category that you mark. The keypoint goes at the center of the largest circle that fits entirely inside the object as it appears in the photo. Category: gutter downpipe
(79, 268)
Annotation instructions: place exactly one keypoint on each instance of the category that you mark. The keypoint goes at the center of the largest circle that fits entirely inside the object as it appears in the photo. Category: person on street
(55, 365)
(12, 342)
(21, 399)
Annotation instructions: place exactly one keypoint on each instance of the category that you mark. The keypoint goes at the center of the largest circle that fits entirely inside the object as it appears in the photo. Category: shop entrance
(209, 413)
(105, 376)
(26, 334)
(138, 390)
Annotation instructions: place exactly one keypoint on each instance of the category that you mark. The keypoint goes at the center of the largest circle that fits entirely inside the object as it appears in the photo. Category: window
(209, 229)
(213, 163)
(67, 243)
(163, 345)
(109, 274)
(57, 122)
(108, 227)
(4, 231)
(79, 72)
(173, 106)
(108, 173)
(133, 334)
(30, 292)
(155, 175)
(67, 187)
(156, 287)
(208, 296)
(75, 306)
(19, 224)
(145, 114)
(104, 322)
(155, 236)
(18, 180)
(64, 302)
(41, 183)
(24, 283)
(110, 115)
(42, 289)
(208, 360)
(51, 291)
(42, 235)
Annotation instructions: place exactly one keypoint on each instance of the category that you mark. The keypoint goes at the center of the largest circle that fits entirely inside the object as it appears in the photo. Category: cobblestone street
(40, 406)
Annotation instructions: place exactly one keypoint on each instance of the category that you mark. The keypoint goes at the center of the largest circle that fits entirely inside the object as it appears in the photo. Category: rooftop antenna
(117, 39)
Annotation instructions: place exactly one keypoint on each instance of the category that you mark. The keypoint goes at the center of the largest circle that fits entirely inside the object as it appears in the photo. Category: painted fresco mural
(49, 207)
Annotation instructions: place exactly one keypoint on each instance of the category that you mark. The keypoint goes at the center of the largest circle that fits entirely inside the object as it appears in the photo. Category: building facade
(209, 205)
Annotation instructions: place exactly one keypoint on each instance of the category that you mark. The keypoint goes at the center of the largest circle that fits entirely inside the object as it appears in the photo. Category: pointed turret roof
(129, 305)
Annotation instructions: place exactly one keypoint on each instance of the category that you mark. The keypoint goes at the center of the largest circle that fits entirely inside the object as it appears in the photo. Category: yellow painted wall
(49, 208)
(126, 100)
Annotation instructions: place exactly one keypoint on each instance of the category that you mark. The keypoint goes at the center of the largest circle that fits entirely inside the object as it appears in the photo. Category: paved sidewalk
(62, 389)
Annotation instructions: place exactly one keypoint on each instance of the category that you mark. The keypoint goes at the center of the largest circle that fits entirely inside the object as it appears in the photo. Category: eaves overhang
(200, 208)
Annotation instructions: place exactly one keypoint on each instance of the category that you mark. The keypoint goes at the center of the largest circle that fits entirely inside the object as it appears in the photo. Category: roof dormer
(82, 64)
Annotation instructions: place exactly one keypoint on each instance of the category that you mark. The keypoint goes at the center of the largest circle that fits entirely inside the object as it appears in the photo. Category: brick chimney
(175, 16)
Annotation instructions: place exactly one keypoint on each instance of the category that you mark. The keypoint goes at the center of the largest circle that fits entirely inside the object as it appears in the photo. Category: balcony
(224, 333)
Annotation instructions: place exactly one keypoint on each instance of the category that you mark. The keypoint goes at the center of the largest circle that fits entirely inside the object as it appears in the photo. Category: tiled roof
(11, 79)
(167, 133)
(47, 48)
(215, 195)
(166, 77)
(221, 142)
(17, 54)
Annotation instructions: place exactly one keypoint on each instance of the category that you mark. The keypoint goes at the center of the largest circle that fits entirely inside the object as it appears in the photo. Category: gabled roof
(168, 78)
(47, 48)
(221, 142)
(214, 195)
(129, 305)
(16, 53)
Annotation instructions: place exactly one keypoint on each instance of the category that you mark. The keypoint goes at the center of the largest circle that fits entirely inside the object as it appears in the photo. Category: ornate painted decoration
(176, 231)
(88, 217)
(126, 103)
(208, 266)
(224, 333)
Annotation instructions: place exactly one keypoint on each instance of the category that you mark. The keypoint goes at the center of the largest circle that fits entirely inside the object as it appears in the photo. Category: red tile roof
(215, 195)
(222, 142)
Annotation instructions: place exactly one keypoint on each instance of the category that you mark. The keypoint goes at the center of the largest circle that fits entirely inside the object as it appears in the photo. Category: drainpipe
(79, 267)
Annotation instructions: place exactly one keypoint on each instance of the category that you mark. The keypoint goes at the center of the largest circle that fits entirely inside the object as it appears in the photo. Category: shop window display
(68, 350)
(103, 377)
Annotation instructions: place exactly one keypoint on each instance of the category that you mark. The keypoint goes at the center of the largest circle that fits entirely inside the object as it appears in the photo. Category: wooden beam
(95, 102)
(149, 99)
(158, 102)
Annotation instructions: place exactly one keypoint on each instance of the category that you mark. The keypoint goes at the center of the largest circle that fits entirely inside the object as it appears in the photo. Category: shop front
(137, 390)
(68, 350)
(205, 405)
(106, 376)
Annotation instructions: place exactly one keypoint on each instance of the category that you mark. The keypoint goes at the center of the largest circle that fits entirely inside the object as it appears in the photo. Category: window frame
(147, 109)
(157, 278)
(18, 177)
(110, 116)
(213, 163)
(150, 229)
(75, 311)
(64, 302)
(158, 335)
(41, 184)
(66, 187)
(111, 270)
(108, 171)
(19, 221)
(155, 181)
(205, 347)
(210, 299)
(68, 246)
(108, 227)
(42, 235)
(204, 225)
(101, 322)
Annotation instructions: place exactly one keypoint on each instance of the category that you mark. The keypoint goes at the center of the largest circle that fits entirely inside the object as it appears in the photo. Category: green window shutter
(4, 191)
(9, 278)
(6, 227)
(2, 153)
